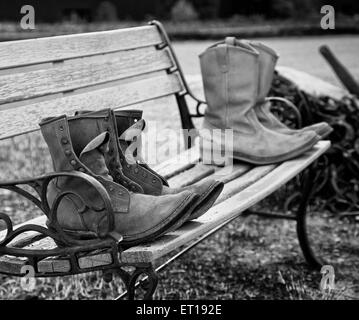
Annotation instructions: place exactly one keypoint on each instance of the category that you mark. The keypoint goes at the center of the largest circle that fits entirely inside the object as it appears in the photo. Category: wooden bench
(134, 67)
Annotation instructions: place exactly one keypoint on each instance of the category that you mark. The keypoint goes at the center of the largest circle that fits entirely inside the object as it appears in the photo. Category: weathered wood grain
(26, 118)
(225, 210)
(12, 265)
(84, 73)
(33, 51)
(182, 162)
(224, 175)
(192, 175)
(95, 260)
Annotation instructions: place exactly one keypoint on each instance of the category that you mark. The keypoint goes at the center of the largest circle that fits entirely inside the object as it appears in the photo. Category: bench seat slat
(14, 122)
(226, 210)
(193, 175)
(82, 73)
(34, 51)
(182, 162)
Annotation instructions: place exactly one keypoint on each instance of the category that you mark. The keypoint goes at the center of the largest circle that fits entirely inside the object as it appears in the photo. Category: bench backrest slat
(34, 51)
(25, 119)
(59, 75)
(82, 73)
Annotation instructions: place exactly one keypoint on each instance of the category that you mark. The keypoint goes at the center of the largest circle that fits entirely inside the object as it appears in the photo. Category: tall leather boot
(230, 78)
(267, 62)
(81, 144)
(129, 126)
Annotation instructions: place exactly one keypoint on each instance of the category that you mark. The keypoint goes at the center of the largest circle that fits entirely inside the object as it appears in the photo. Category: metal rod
(272, 215)
(175, 59)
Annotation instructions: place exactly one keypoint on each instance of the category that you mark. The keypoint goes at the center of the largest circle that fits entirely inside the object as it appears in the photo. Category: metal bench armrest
(40, 184)
(290, 105)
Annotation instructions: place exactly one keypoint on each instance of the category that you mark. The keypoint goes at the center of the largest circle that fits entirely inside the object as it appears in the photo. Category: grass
(251, 258)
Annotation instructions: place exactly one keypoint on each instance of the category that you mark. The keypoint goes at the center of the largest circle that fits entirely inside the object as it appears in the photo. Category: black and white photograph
(189, 152)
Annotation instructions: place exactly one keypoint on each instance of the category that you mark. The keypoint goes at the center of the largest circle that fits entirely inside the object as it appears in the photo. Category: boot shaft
(230, 79)
(125, 127)
(267, 61)
(56, 133)
(67, 138)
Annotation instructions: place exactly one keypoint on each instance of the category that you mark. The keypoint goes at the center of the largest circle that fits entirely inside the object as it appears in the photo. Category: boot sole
(257, 160)
(322, 133)
(206, 200)
(171, 225)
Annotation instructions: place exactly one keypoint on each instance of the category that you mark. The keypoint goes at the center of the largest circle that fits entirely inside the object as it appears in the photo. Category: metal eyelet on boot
(68, 152)
(73, 162)
(64, 140)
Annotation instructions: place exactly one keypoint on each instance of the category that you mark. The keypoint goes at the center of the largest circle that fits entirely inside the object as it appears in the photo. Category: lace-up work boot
(267, 62)
(81, 143)
(129, 126)
(231, 84)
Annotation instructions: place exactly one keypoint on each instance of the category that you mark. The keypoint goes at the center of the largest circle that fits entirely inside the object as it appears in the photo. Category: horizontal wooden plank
(182, 162)
(226, 210)
(26, 118)
(33, 51)
(225, 176)
(84, 73)
(192, 175)
(12, 265)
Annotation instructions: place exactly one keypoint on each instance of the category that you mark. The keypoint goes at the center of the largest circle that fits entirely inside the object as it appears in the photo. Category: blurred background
(195, 24)
(180, 10)
(185, 19)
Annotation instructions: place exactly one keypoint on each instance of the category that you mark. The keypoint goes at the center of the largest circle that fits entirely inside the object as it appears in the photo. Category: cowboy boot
(81, 144)
(129, 126)
(230, 79)
(267, 62)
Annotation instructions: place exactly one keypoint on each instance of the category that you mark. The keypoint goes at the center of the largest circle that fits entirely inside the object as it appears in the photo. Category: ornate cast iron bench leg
(133, 282)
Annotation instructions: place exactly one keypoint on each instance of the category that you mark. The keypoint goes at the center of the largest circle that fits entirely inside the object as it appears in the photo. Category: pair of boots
(144, 206)
(237, 77)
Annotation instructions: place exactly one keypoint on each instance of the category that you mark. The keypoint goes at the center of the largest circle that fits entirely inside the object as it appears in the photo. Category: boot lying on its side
(80, 144)
(231, 75)
(128, 125)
